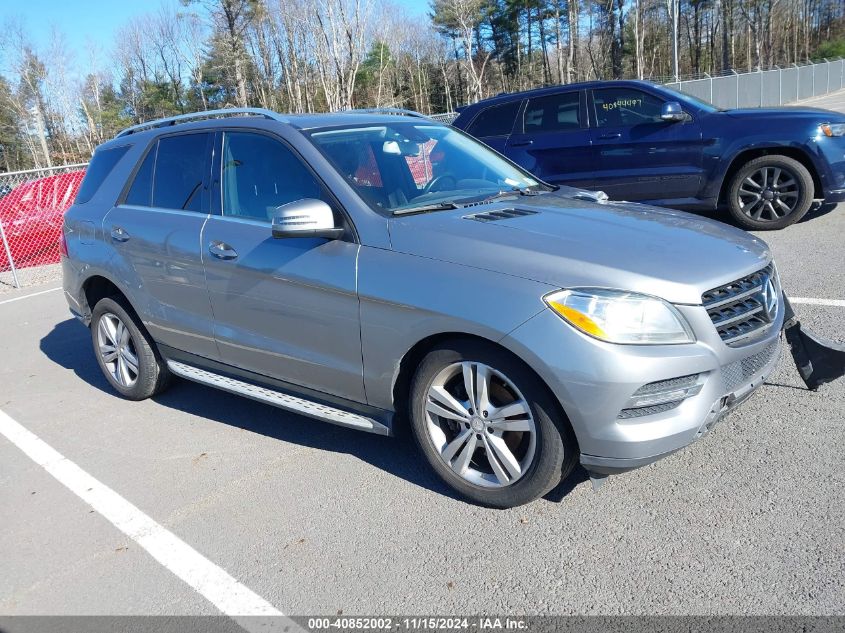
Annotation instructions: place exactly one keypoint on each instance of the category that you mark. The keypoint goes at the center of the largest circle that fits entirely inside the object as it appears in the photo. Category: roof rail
(198, 116)
(396, 111)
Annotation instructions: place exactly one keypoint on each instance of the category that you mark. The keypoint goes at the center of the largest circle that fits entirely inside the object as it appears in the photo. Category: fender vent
(499, 214)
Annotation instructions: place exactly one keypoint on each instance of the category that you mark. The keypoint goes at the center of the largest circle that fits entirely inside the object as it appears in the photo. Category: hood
(819, 115)
(566, 242)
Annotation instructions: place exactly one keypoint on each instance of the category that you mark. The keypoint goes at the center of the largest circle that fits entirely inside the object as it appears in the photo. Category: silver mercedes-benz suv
(371, 269)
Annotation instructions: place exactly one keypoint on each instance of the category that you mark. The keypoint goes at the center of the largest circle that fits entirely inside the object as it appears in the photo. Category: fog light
(665, 391)
(660, 398)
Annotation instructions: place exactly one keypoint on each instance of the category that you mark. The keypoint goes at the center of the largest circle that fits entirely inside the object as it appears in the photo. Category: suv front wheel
(487, 425)
(770, 192)
(125, 351)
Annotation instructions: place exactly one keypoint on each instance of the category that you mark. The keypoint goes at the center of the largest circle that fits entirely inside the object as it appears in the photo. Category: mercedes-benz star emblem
(770, 299)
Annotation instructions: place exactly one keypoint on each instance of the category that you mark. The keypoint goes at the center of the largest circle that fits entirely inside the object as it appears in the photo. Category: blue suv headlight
(833, 129)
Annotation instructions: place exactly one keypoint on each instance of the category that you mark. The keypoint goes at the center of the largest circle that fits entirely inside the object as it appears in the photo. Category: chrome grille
(738, 309)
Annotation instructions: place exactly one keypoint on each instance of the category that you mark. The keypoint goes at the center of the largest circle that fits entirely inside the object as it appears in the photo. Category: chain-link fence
(446, 117)
(31, 207)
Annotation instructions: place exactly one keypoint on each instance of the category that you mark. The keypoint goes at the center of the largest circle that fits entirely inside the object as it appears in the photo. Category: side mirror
(305, 218)
(672, 111)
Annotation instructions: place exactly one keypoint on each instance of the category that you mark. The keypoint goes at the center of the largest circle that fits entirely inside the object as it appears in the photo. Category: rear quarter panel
(90, 252)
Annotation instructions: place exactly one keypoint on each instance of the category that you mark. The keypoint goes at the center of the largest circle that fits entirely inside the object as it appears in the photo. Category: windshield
(401, 166)
(683, 96)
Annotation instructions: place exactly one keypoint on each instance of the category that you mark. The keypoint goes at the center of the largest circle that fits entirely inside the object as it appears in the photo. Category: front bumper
(723, 405)
(835, 195)
(594, 380)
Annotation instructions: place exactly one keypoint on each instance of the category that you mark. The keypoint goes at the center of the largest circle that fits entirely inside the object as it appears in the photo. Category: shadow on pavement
(819, 211)
(723, 215)
(69, 345)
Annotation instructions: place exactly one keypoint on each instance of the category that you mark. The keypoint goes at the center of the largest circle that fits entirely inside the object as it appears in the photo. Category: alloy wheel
(769, 194)
(480, 424)
(117, 350)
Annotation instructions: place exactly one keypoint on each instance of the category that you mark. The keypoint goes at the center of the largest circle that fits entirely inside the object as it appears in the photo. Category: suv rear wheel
(770, 192)
(125, 351)
(487, 425)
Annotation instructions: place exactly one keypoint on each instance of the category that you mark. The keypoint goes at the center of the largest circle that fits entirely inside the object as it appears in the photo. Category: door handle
(119, 234)
(521, 143)
(221, 250)
(610, 136)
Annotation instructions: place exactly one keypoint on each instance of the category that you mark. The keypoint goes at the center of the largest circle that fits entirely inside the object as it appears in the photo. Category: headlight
(833, 129)
(617, 316)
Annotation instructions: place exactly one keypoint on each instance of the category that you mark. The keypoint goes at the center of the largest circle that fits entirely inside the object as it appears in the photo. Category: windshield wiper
(437, 206)
(506, 193)
(445, 206)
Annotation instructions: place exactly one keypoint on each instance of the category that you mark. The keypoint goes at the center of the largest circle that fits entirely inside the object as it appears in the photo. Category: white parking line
(210, 581)
(33, 294)
(838, 303)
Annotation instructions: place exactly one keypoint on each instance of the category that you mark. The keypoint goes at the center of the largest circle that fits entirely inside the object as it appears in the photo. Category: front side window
(625, 107)
(555, 113)
(260, 174)
(494, 121)
(405, 164)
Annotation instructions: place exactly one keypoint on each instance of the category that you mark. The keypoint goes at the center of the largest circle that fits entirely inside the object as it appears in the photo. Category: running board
(279, 399)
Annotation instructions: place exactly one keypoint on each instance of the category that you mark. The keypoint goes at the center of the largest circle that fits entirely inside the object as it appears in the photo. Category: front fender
(720, 163)
(405, 299)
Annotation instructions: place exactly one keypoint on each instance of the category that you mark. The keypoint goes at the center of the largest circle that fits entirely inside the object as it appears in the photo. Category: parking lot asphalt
(318, 519)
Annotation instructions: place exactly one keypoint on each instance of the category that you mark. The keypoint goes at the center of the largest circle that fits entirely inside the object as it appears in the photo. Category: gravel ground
(28, 277)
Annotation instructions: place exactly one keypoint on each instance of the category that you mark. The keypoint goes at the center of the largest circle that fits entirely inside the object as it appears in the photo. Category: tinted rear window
(100, 167)
(142, 187)
(494, 121)
(179, 169)
(554, 113)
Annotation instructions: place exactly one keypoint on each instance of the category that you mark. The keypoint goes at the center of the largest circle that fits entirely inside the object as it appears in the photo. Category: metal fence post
(760, 71)
(736, 75)
(827, 68)
(9, 255)
(813, 73)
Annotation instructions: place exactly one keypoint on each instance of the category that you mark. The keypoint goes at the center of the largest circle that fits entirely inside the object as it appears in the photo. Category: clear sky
(98, 20)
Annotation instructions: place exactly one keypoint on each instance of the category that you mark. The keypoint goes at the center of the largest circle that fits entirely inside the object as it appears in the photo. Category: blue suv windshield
(407, 165)
(683, 96)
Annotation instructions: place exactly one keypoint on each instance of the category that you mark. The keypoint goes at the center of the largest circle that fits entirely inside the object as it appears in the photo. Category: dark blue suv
(639, 141)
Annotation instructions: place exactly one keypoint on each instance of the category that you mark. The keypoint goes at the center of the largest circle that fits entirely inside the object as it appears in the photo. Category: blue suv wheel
(770, 192)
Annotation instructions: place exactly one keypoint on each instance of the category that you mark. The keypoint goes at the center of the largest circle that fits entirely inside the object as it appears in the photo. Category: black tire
(767, 212)
(152, 375)
(555, 451)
